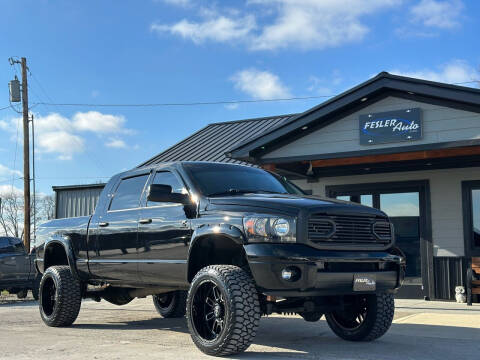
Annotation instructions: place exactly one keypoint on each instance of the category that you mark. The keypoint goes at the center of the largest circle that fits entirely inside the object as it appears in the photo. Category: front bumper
(322, 272)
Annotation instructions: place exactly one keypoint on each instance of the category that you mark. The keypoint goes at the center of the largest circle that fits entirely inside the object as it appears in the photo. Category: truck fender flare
(66, 243)
(223, 230)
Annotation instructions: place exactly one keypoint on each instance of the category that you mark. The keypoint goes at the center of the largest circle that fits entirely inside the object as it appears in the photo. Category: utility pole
(26, 158)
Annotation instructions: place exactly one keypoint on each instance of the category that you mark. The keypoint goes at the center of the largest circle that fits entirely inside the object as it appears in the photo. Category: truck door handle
(145, 221)
(103, 224)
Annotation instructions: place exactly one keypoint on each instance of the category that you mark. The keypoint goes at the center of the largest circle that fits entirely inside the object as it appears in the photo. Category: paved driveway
(422, 330)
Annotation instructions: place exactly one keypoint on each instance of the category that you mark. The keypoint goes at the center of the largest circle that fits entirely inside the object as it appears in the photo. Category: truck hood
(281, 202)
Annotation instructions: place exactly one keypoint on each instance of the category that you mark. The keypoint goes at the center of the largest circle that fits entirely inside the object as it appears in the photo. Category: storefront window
(400, 204)
(476, 217)
(366, 200)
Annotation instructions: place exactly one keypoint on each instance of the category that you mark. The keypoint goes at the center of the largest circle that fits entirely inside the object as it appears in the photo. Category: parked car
(242, 241)
(17, 268)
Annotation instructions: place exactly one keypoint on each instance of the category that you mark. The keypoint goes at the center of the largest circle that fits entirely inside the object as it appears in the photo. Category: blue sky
(164, 51)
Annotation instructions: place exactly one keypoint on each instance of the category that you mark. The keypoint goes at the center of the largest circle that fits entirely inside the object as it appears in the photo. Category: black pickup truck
(17, 269)
(224, 244)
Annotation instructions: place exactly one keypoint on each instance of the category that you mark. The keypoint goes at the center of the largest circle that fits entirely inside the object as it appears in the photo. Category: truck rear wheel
(60, 297)
(36, 286)
(172, 304)
(223, 310)
(365, 317)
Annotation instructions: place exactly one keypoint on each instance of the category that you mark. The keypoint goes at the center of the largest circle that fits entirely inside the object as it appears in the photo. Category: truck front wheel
(364, 318)
(60, 297)
(223, 310)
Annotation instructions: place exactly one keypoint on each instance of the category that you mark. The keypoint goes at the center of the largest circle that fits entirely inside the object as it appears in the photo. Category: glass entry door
(402, 204)
(403, 209)
(471, 216)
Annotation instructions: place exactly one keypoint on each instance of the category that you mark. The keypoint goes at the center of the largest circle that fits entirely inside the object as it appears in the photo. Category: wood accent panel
(415, 155)
(269, 167)
(476, 264)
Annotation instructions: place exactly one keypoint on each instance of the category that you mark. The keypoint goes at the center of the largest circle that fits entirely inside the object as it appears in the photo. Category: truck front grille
(348, 229)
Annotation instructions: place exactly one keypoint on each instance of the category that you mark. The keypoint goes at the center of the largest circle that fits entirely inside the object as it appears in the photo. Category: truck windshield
(225, 179)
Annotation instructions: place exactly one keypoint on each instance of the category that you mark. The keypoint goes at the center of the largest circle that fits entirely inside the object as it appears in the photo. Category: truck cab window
(168, 178)
(127, 195)
(17, 245)
(5, 246)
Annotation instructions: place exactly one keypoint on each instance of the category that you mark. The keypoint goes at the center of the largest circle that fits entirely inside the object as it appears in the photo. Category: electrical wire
(196, 103)
(225, 102)
(94, 160)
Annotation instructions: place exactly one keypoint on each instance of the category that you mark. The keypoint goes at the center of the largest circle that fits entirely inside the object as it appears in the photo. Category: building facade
(406, 146)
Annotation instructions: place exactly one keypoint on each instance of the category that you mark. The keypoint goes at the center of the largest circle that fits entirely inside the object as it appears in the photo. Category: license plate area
(364, 282)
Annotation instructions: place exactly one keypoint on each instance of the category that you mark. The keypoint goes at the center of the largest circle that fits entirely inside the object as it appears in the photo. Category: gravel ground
(421, 330)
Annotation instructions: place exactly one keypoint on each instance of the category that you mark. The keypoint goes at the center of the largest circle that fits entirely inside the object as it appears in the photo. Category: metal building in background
(76, 200)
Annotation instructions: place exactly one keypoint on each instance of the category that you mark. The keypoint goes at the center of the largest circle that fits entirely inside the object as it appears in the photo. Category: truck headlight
(270, 229)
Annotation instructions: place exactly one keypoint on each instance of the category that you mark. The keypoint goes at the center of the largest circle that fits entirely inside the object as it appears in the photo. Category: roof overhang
(381, 86)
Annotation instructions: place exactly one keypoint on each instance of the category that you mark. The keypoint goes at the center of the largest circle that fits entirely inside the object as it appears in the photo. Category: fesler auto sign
(391, 126)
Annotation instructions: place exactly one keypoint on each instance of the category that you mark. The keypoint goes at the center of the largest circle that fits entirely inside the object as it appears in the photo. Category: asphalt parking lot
(421, 330)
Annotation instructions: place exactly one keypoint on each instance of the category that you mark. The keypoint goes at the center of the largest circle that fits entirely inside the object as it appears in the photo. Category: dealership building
(409, 147)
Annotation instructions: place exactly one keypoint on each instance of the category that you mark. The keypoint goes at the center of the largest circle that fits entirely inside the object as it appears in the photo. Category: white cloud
(183, 3)
(6, 172)
(220, 29)
(260, 84)
(116, 143)
(456, 71)
(97, 122)
(9, 189)
(64, 137)
(437, 14)
(232, 106)
(61, 142)
(305, 24)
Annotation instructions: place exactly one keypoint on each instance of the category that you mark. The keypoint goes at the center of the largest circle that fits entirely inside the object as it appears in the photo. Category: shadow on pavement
(295, 338)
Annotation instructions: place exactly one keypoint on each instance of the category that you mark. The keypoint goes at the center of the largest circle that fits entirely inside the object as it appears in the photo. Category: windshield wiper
(239, 191)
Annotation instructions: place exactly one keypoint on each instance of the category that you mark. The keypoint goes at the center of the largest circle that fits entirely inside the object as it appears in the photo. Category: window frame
(467, 205)
(14, 244)
(144, 201)
(112, 197)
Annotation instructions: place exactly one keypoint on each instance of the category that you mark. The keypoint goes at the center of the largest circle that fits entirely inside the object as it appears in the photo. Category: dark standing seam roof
(213, 141)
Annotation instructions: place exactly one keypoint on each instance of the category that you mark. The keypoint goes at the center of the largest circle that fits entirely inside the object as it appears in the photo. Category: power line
(196, 103)
(225, 102)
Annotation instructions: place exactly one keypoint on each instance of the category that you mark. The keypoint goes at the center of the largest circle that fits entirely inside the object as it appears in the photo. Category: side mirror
(163, 193)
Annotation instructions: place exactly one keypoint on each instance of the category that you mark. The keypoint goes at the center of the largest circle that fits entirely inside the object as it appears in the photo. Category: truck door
(6, 251)
(164, 236)
(21, 260)
(115, 253)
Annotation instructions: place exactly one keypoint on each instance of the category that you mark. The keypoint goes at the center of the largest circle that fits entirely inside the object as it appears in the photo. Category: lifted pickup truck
(242, 241)
(17, 269)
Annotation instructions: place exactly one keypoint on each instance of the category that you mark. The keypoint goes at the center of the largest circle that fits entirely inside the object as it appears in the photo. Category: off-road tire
(379, 317)
(241, 314)
(22, 294)
(68, 297)
(311, 316)
(36, 286)
(176, 307)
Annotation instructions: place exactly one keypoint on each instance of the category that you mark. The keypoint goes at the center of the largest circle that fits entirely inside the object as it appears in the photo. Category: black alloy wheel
(208, 311)
(223, 310)
(364, 318)
(49, 296)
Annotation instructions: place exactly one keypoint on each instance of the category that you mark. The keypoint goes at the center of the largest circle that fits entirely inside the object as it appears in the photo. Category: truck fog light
(291, 273)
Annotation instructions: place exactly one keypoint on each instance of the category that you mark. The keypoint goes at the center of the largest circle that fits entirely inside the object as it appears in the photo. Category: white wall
(440, 124)
(446, 200)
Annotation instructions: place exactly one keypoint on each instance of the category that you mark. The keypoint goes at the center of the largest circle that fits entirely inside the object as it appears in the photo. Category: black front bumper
(321, 272)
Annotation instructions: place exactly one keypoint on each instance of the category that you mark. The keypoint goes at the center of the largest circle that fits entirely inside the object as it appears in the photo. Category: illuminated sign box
(391, 127)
